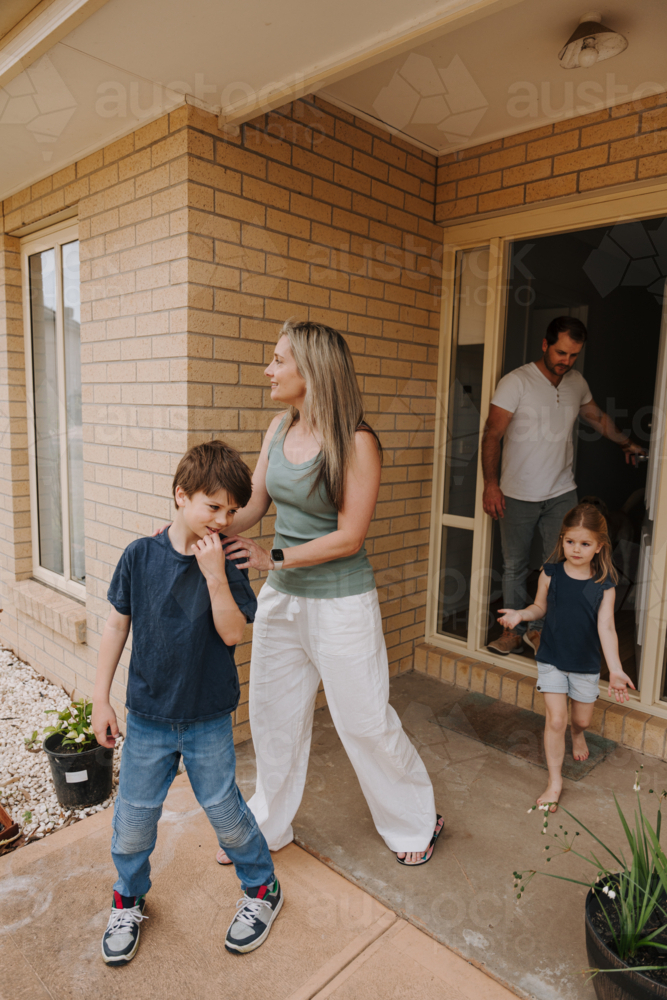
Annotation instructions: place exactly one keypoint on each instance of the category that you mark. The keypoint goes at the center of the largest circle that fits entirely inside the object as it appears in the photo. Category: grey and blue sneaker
(255, 913)
(121, 938)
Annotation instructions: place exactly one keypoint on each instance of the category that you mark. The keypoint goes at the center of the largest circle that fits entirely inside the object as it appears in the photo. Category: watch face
(277, 555)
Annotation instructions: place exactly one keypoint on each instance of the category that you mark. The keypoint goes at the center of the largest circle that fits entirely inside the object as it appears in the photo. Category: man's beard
(552, 368)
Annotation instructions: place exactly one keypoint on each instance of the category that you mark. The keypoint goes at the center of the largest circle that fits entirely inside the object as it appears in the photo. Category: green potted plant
(626, 905)
(82, 770)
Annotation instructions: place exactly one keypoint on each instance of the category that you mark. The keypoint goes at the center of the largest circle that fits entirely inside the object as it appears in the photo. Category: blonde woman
(318, 616)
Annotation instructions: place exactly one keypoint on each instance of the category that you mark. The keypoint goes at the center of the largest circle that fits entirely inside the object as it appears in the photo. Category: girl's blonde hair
(587, 516)
(333, 402)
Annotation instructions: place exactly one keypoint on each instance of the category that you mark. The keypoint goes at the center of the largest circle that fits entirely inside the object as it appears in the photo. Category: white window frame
(53, 237)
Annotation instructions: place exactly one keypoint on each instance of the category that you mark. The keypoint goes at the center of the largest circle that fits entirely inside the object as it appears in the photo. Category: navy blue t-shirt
(570, 638)
(180, 669)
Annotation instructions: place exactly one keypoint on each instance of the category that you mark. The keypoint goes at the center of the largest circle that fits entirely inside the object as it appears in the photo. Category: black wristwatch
(277, 558)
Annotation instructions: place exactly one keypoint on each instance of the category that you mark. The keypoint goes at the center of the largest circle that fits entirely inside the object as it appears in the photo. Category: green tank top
(300, 518)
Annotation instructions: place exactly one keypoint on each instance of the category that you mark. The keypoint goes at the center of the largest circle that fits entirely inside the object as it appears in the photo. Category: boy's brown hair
(213, 466)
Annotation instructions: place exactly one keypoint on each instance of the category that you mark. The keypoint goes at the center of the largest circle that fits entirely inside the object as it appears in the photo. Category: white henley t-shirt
(537, 447)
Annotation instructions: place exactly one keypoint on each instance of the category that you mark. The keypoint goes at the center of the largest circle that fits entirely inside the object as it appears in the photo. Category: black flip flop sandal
(439, 826)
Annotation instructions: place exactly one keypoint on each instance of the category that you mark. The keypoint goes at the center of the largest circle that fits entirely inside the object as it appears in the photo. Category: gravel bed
(26, 786)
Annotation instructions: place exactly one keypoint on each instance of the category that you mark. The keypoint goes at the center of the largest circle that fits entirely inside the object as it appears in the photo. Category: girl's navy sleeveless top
(570, 639)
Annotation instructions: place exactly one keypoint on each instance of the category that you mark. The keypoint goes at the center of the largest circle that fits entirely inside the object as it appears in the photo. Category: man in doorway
(534, 409)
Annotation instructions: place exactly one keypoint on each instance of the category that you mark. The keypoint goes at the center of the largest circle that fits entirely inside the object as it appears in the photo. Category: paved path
(464, 897)
(331, 940)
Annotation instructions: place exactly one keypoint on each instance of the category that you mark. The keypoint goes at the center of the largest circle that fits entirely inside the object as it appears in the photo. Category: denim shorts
(580, 687)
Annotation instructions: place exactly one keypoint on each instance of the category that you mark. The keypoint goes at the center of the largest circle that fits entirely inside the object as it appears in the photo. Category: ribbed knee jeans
(151, 753)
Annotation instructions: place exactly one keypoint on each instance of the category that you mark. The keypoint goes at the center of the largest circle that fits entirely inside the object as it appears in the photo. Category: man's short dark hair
(214, 466)
(566, 324)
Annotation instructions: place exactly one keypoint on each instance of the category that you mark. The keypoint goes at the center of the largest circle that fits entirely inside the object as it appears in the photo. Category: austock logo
(630, 255)
(421, 94)
(38, 99)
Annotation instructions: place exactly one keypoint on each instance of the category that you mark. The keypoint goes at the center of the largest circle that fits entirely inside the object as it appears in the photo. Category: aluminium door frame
(629, 203)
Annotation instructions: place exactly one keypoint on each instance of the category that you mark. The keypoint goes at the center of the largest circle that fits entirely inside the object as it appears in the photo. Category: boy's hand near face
(210, 557)
(229, 621)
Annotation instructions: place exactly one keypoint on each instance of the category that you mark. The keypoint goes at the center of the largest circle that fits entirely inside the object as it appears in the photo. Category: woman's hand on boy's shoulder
(619, 682)
(245, 553)
(158, 531)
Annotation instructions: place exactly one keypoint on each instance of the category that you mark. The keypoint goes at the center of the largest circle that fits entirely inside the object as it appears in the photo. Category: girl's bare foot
(550, 796)
(579, 746)
(222, 858)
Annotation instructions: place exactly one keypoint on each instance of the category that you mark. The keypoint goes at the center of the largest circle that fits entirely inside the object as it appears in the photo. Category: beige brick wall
(613, 146)
(194, 248)
(133, 326)
(313, 214)
(15, 530)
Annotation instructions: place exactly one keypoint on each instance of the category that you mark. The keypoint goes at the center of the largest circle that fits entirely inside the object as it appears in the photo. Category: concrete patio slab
(55, 898)
(464, 896)
(405, 963)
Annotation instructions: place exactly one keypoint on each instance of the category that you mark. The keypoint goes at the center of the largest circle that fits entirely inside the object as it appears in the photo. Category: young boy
(188, 607)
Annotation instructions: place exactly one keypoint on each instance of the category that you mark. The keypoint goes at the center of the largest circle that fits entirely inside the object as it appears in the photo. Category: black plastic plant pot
(624, 984)
(81, 779)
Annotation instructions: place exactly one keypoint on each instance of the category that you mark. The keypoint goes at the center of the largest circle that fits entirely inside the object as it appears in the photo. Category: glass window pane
(72, 334)
(465, 388)
(454, 589)
(42, 271)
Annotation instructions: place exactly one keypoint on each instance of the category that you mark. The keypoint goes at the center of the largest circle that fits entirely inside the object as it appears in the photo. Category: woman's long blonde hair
(586, 515)
(333, 404)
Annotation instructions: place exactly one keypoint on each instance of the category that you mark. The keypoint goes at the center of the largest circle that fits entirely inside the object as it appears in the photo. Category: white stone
(23, 701)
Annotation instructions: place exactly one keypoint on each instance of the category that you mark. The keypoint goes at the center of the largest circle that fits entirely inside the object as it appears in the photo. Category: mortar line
(410, 919)
(465, 873)
(356, 948)
(32, 969)
(351, 967)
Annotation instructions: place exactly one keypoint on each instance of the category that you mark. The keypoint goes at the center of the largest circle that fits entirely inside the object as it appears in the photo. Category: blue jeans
(516, 537)
(151, 753)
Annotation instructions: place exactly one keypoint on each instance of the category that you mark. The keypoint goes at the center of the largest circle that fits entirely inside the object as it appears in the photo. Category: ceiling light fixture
(590, 43)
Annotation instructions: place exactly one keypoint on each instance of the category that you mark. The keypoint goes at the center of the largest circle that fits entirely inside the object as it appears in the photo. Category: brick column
(15, 544)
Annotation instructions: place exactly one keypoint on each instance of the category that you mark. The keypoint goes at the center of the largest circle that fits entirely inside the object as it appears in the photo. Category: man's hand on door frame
(633, 451)
(603, 423)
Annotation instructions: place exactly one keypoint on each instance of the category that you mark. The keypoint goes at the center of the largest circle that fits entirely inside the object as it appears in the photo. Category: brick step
(633, 729)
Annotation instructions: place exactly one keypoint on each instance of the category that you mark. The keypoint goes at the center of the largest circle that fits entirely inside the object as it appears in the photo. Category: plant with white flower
(74, 726)
(630, 887)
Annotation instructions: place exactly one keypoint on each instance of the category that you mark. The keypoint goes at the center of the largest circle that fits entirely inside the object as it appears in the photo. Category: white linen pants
(297, 641)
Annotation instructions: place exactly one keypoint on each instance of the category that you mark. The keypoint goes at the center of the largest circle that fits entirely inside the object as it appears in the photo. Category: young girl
(576, 591)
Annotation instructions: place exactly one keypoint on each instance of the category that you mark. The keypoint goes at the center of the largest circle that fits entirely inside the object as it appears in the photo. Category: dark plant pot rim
(53, 751)
(641, 982)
